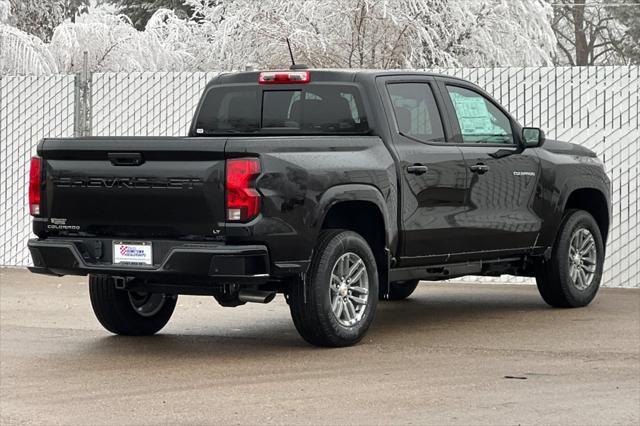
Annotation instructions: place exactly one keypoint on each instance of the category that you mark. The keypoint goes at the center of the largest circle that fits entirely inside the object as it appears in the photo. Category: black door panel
(433, 173)
(432, 202)
(499, 211)
(502, 178)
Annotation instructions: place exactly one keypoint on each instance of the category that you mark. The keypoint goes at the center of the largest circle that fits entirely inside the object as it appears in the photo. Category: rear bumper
(212, 262)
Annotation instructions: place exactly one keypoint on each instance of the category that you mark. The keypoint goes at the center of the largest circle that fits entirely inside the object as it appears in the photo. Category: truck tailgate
(134, 187)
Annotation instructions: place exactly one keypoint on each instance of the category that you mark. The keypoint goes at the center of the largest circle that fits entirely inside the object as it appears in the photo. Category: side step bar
(445, 271)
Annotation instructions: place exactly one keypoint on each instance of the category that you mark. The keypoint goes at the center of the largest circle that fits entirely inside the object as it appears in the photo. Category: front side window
(416, 111)
(480, 120)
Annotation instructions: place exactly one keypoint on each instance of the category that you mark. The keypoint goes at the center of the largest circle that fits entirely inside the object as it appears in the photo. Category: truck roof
(322, 74)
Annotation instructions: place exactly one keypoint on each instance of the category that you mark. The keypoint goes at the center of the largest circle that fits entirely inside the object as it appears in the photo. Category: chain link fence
(30, 109)
(597, 107)
(145, 104)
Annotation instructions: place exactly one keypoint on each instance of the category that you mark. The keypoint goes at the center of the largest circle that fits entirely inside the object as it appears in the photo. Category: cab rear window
(318, 109)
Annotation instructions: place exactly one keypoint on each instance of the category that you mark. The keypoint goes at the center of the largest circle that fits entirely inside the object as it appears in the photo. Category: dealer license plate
(132, 252)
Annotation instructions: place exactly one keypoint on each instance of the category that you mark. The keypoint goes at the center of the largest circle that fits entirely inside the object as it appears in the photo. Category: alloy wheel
(349, 289)
(582, 258)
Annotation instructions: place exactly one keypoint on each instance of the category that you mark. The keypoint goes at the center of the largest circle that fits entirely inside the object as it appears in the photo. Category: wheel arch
(593, 201)
(362, 209)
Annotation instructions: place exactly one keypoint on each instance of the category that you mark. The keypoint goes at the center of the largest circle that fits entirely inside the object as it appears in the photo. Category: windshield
(317, 109)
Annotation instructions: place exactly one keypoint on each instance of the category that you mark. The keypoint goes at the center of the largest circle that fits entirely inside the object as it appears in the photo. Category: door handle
(125, 158)
(417, 169)
(479, 168)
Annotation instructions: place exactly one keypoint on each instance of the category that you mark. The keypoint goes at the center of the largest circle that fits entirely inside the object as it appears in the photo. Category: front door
(433, 172)
(502, 177)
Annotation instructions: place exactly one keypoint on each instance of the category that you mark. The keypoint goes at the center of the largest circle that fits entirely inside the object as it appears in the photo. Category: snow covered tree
(113, 44)
(588, 33)
(73, 8)
(140, 11)
(375, 33)
(231, 34)
(37, 17)
(41, 17)
(22, 53)
(5, 11)
(627, 12)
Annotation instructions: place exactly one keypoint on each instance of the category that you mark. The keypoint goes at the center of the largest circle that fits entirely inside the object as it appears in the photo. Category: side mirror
(532, 137)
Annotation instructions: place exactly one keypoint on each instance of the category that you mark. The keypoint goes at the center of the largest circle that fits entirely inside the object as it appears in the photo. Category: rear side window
(318, 109)
(229, 110)
(416, 111)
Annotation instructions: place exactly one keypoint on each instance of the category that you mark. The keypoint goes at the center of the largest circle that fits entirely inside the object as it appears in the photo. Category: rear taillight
(283, 77)
(243, 201)
(34, 186)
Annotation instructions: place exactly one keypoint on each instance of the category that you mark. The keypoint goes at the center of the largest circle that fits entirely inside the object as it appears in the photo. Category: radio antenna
(293, 61)
(294, 66)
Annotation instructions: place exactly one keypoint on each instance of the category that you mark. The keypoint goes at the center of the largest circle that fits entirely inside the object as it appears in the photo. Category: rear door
(501, 179)
(432, 172)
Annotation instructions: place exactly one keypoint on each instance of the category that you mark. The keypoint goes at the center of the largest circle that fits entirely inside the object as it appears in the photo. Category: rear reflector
(283, 77)
(243, 201)
(34, 186)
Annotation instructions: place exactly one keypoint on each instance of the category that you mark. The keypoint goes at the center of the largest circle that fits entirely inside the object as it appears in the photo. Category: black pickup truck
(336, 188)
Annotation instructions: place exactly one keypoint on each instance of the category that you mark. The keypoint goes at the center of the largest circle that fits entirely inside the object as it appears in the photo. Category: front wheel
(129, 313)
(336, 304)
(571, 277)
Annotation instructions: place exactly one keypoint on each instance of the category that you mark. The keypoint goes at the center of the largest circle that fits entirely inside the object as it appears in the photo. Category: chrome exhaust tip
(256, 296)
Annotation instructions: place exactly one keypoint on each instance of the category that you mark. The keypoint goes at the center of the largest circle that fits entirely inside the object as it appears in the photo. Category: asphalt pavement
(451, 354)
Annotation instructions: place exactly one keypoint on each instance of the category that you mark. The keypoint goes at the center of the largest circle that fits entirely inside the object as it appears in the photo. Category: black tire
(400, 290)
(115, 310)
(553, 278)
(312, 312)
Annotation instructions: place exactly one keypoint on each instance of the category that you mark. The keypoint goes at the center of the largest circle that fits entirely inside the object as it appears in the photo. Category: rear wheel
(129, 313)
(336, 304)
(571, 277)
(400, 290)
